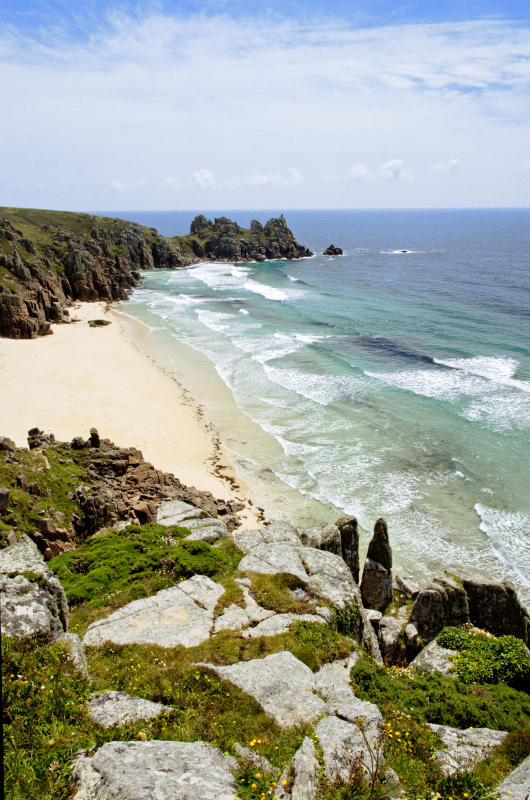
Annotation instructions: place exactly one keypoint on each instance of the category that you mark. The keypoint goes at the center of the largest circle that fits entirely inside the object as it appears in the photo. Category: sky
(239, 104)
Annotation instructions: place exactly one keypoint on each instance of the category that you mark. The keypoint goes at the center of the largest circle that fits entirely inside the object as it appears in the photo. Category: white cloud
(394, 170)
(359, 172)
(250, 98)
(291, 178)
(447, 167)
(204, 178)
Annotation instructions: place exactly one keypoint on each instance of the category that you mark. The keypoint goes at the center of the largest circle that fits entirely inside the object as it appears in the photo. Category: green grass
(57, 485)
(438, 698)
(111, 569)
(483, 658)
(274, 592)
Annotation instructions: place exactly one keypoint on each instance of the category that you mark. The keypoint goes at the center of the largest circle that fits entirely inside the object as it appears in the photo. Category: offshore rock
(161, 770)
(32, 600)
(332, 251)
(376, 583)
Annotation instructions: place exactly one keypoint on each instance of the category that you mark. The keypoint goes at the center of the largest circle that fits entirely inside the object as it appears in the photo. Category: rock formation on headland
(49, 258)
(220, 663)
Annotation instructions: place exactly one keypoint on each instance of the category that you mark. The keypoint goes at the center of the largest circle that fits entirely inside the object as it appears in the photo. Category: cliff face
(49, 258)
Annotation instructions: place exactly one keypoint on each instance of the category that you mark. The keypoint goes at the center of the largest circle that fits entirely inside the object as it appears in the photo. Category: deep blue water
(391, 383)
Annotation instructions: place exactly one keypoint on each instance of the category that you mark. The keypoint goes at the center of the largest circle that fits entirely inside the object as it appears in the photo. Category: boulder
(409, 586)
(335, 675)
(111, 709)
(279, 623)
(389, 635)
(181, 615)
(157, 769)
(32, 600)
(75, 650)
(516, 785)
(442, 603)
(344, 744)
(254, 759)
(376, 583)
(332, 251)
(5, 496)
(349, 540)
(7, 444)
(463, 749)
(493, 605)
(280, 683)
(434, 658)
(305, 768)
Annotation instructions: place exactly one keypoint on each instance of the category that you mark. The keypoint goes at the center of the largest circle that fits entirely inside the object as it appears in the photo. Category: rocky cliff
(49, 258)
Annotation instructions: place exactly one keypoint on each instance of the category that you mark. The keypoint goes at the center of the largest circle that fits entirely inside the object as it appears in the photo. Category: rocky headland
(50, 258)
(149, 643)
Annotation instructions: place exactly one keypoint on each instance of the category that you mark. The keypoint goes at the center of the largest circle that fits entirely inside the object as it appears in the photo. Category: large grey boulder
(376, 583)
(463, 749)
(389, 634)
(110, 709)
(280, 683)
(305, 769)
(443, 602)
(344, 744)
(158, 770)
(335, 675)
(32, 600)
(278, 549)
(516, 785)
(434, 658)
(181, 615)
(279, 623)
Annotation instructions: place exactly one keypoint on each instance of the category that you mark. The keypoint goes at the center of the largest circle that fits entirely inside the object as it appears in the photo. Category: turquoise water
(378, 383)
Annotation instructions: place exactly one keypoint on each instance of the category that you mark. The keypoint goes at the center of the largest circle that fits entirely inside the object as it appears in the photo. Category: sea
(391, 381)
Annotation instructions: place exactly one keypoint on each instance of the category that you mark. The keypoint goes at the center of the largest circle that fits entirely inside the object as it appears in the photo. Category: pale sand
(82, 377)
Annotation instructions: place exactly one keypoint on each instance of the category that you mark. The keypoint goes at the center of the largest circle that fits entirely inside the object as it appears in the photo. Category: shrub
(463, 786)
(485, 659)
(438, 698)
(347, 620)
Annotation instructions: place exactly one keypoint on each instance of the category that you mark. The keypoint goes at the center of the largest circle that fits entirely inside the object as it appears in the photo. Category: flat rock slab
(111, 709)
(279, 623)
(181, 615)
(30, 607)
(464, 748)
(280, 683)
(516, 785)
(335, 675)
(306, 772)
(158, 770)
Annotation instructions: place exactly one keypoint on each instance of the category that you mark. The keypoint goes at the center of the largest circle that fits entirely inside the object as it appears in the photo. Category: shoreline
(83, 377)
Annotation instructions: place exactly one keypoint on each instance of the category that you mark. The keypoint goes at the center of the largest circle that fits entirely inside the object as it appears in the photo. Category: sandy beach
(83, 377)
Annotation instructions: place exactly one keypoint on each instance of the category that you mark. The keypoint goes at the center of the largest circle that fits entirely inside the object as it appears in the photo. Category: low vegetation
(52, 477)
(440, 699)
(483, 658)
(111, 569)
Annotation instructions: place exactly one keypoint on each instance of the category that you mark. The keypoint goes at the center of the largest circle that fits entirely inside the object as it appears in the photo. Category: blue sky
(264, 104)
